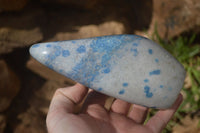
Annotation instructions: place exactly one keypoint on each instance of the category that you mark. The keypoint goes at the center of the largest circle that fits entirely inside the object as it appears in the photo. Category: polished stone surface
(128, 67)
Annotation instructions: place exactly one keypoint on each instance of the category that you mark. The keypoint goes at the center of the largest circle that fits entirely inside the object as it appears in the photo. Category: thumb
(64, 102)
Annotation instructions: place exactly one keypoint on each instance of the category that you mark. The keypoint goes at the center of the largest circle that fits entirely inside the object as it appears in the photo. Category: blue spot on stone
(48, 45)
(150, 51)
(65, 53)
(146, 88)
(57, 53)
(61, 71)
(135, 44)
(169, 88)
(161, 86)
(97, 67)
(73, 41)
(125, 84)
(146, 80)
(107, 70)
(36, 45)
(154, 72)
(91, 59)
(135, 52)
(156, 60)
(81, 49)
(99, 89)
(121, 91)
(105, 58)
(58, 50)
(147, 91)
(49, 65)
(149, 94)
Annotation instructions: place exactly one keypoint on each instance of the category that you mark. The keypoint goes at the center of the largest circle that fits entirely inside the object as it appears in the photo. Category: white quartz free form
(128, 67)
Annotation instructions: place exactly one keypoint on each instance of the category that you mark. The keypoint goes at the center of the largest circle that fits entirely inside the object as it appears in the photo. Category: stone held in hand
(128, 67)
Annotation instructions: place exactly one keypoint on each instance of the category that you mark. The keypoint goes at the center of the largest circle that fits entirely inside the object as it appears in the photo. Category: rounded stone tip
(33, 49)
(39, 52)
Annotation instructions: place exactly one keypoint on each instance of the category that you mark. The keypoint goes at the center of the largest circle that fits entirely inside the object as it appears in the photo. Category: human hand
(94, 118)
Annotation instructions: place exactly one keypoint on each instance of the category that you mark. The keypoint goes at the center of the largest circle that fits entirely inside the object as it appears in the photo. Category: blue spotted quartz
(128, 67)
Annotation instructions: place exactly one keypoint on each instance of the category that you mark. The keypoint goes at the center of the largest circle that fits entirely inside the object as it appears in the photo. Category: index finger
(63, 105)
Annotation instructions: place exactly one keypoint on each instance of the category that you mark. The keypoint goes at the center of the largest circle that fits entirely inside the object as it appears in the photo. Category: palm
(94, 118)
(102, 121)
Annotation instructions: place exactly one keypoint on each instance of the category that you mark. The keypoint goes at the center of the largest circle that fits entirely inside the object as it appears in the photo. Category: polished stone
(128, 67)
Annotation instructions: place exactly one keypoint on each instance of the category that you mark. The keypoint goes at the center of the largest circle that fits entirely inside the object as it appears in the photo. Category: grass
(187, 53)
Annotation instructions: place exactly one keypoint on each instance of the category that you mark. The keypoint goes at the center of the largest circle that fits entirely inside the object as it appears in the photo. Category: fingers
(138, 114)
(94, 101)
(162, 117)
(94, 105)
(120, 107)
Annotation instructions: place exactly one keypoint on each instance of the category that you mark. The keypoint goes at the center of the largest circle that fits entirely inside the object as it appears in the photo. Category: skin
(95, 118)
